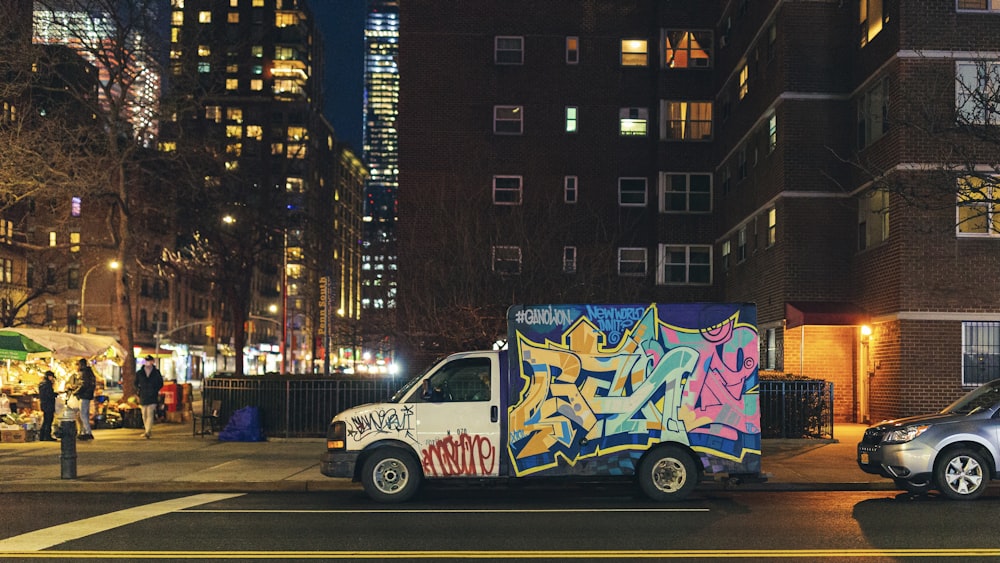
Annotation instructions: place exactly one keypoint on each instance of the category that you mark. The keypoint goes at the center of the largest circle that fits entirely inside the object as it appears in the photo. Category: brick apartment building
(808, 156)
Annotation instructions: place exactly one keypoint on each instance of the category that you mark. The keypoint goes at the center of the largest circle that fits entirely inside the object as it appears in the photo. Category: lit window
(297, 150)
(235, 149)
(232, 68)
(234, 131)
(53, 239)
(744, 85)
(978, 210)
(257, 51)
(507, 260)
(772, 226)
(167, 146)
(232, 84)
(726, 248)
(74, 207)
(297, 133)
(205, 17)
(286, 19)
(684, 193)
(979, 5)
(233, 17)
(204, 50)
(257, 4)
(175, 34)
(873, 113)
(632, 262)
(175, 53)
(571, 119)
(278, 149)
(507, 120)
(572, 50)
(256, 84)
(771, 356)
(634, 52)
(507, 190)
(74, 241)
(685, 265)
(632, 122)
(213, 113)
(177, 4)
(177, 18)
(234, 3)
(977, 92)
(686, 121)
(570, 189)
(255, 132)
(687, 49)
(569, 260)
(204, 67)
(871, 19)
(741, 245)
(632, 192)
(508, 50)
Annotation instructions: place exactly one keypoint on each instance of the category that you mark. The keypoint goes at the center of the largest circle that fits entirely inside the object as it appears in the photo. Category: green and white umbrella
(16, 346)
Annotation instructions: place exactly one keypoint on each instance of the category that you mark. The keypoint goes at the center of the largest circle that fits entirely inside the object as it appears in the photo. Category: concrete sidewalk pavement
(121, 460)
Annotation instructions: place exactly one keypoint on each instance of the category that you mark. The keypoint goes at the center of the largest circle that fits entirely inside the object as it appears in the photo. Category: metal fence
(796, 409)
(294, 407)
(304, 407)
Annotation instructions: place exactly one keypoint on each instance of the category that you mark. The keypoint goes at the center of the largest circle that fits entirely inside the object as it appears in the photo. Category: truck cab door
(457, 413)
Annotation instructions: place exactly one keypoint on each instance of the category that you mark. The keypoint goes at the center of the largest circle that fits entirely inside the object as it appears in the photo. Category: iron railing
(796, 409)
(294, 407)
(304, 407)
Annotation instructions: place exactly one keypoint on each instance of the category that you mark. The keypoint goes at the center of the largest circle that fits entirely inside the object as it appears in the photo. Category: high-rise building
(258, 70)
(381, 154)
(826, 160)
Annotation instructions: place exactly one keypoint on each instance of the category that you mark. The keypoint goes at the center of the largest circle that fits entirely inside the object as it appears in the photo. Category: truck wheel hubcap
(964, 475)
(669, 475)
(390, 475)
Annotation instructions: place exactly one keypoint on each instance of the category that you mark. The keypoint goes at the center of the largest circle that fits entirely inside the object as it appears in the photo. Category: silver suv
(956, 451)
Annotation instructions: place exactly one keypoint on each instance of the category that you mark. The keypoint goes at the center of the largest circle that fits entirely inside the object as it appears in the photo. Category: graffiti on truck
(459, 455)
(583, 397)
(381, 421)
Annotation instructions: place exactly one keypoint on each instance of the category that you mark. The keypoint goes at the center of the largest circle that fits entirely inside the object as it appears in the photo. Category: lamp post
(113, 265)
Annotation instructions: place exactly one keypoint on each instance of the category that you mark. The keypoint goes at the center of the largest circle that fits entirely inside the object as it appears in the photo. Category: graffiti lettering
(381, 421)
(543, 316)
(461, 454)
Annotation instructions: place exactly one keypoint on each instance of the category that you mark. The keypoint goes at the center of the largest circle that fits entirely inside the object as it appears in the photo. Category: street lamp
(113, 265)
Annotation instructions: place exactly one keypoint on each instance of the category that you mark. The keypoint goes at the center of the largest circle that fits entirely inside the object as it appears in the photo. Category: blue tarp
(244, 426)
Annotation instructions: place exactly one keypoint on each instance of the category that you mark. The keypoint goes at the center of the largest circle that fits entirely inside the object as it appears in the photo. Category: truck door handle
(494, 413)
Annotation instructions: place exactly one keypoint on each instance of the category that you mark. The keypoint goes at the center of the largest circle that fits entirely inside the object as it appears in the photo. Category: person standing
(148, 381)
(47, 397)
(88, 385)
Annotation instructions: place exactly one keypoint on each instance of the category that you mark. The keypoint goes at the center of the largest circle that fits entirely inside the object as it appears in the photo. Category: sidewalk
(121, 460)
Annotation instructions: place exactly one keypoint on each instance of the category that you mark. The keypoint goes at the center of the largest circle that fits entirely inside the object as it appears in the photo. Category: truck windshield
(984, 397)
(398, 395)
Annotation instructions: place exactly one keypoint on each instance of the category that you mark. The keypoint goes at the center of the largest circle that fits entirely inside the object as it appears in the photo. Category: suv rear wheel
(961, 474)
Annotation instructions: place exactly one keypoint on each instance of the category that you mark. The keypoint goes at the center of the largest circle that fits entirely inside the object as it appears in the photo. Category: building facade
(767, 151)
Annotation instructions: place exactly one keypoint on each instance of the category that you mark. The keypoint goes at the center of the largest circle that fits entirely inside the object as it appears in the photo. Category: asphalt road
(491, 524)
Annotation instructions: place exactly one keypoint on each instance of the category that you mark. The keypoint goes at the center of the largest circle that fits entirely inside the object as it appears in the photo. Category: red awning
(827, 313)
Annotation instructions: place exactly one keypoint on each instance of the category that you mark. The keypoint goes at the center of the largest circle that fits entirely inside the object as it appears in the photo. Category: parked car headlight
(905, 434)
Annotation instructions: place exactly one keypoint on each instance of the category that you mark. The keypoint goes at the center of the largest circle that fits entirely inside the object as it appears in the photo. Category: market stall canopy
(67, 346)
(16, 346)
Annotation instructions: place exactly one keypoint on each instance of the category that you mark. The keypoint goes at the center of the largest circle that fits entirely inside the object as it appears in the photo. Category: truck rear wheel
(667, 474)
(390, 475)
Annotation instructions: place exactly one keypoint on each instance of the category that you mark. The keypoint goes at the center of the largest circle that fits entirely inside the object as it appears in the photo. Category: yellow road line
(550, 554)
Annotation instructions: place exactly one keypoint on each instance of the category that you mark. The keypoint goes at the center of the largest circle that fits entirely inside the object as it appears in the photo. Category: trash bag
(244, 426)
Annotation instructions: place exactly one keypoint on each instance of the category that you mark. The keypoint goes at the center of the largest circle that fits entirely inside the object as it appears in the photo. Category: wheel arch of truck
(387, 443)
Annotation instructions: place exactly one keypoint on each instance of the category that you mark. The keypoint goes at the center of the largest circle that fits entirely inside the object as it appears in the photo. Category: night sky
(342, 23)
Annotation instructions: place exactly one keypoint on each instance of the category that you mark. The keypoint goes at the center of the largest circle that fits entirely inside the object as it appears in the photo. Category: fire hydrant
(67, 435)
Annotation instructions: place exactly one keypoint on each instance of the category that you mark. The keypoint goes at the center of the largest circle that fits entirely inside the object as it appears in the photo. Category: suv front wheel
(962, 474)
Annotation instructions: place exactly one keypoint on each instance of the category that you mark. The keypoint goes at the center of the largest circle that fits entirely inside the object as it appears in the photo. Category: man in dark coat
(47, 397)
(148, 381)
(88, 385)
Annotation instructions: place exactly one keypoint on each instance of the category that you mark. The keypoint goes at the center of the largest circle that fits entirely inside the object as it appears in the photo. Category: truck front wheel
(667, 474)
(390, 475)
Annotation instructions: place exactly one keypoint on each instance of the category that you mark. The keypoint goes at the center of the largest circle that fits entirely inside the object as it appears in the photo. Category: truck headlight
(905, 434)
(336, 435)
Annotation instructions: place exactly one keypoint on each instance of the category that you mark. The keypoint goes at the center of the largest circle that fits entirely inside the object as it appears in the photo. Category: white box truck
(663, 394)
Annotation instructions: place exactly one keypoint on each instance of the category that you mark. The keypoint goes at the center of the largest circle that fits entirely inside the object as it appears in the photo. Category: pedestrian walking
(47, 397)
(148, 381)
(88, 385)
